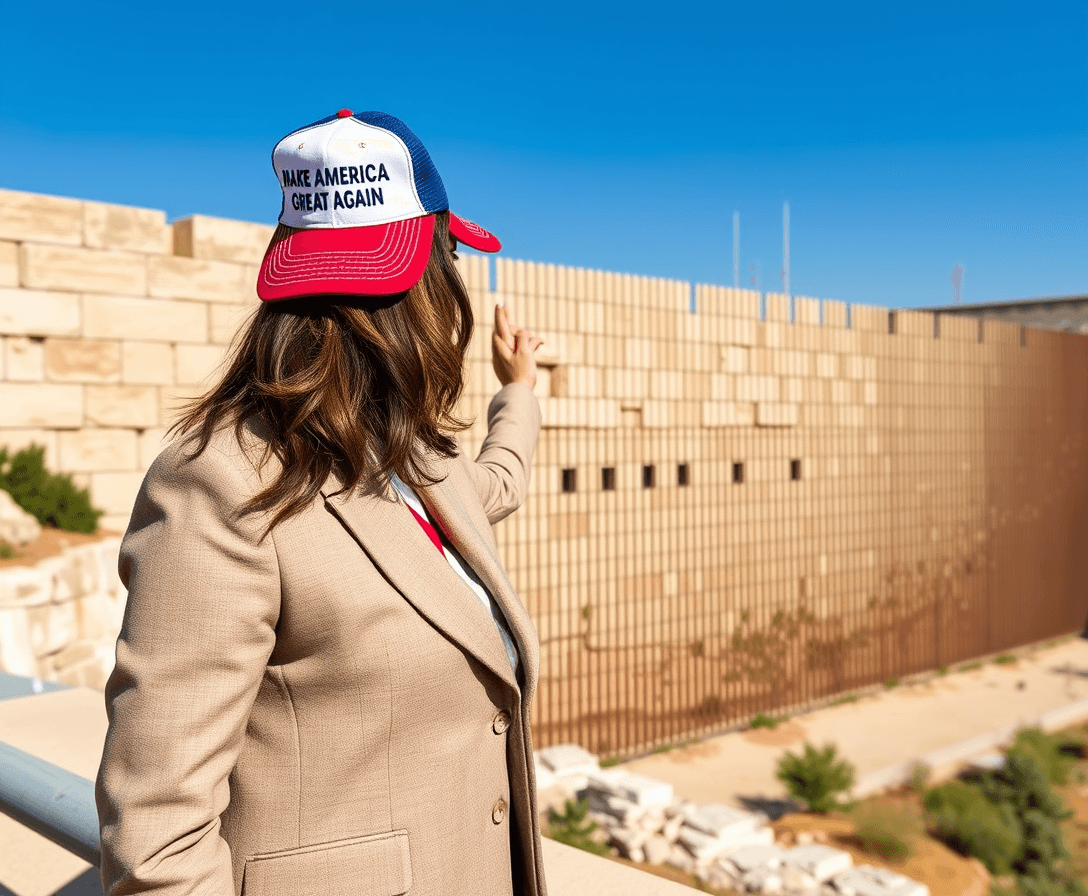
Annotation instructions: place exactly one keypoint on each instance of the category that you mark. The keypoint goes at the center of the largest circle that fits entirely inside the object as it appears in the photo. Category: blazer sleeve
(501, 470)
(198, 629)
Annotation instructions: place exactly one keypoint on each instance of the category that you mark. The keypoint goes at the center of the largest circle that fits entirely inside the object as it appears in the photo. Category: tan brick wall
(844, 481)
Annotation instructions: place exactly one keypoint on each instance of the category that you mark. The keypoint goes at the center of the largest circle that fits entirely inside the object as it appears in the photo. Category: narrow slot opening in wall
(981, 330)
(738, 472)
(608, 479)
(1023, 336)
(648, 475)
(570, 480)
(682, 474)
(891, 323)
(795, 469)
(936, 326)
(849, 316)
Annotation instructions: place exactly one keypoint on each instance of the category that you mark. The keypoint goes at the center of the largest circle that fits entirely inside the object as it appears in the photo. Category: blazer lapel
(465, 525)
(398, 546)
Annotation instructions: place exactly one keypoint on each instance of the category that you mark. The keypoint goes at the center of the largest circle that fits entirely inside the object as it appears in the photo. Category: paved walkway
(887, 730)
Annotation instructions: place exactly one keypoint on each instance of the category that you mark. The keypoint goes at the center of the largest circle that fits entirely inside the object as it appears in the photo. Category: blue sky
(622, 136)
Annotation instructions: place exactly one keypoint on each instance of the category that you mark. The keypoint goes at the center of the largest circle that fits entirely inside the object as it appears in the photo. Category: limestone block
(827, 365)
(116, 317)
(147, 363)
(728, 413)
(624, 382)
(718, 820)
(616, 809)
(867, 318)
(629, 843)
(73, 269)
(17, 439)
(17, 527)
(581, 382)
(865, 880)
(226, 320)
(220, 239)
(16, 655)
(122, 405)
(869, 392)
(115, 493)
(834, 313)
(24, 359)
(852, 415)
(639, 789)
(748, 858)
(88, 450)
(666, 384)
(721, 387)
(656, 849)
(794, 389)
(568, 759)
(51, 626)
(82, 360)
(72, 654)
(192, 278)
(46, 219)
(702, 846)
(734, 358)
(9, 263)
(757, 387)
(149, 444)
(842, 391)
(777, 413)
(639, 353)
(197, 363)
(41, 404)
(656, 414)
(822, 862)
(806, 311)
(28, 312)
(108, 226)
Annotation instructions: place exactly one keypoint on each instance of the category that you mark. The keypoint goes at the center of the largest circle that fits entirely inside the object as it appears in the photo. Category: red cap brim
(380, 260)
(473, 235)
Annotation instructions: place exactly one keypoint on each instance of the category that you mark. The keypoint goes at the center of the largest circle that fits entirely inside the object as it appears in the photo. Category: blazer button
(498, 812)
(501, 722)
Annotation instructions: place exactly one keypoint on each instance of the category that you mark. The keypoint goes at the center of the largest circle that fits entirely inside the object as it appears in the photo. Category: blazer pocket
(375, 865)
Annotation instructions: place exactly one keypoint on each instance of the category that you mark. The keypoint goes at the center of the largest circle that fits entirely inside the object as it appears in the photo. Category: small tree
(573, 828)
(816, 776)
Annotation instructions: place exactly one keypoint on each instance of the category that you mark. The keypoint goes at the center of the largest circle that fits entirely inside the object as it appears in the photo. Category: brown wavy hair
(346, 384)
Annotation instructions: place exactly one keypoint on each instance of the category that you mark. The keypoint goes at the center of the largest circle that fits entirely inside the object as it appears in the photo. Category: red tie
(432, 532)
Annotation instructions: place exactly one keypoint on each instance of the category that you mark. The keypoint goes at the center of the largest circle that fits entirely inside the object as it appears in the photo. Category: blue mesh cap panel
(428, 184)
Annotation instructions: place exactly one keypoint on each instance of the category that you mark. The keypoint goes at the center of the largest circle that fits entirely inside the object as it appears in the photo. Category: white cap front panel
(345, 173)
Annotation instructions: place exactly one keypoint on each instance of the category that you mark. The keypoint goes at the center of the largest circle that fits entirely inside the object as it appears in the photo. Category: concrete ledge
(574, 872)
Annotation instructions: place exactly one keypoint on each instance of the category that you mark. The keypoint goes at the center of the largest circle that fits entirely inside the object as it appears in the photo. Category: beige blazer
(330, 710)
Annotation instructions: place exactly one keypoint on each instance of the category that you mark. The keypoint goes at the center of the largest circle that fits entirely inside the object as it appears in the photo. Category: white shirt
(462, 568)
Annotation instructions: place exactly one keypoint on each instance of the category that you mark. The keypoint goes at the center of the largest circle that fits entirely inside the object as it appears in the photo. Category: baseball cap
(360, 192)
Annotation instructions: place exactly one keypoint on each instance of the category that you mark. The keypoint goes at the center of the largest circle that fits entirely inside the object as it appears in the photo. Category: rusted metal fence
(740, 508)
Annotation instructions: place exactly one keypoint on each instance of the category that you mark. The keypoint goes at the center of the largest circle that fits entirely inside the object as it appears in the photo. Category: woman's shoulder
(230, 451)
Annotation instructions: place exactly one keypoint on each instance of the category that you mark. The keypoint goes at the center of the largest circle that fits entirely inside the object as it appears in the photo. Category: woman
(317, 690)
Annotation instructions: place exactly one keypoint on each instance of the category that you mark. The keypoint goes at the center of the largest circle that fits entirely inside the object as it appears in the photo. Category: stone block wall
(740, 502)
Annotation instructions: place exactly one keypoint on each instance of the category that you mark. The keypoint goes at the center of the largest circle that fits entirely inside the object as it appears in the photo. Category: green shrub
(1057, 753)
(970, 667)
(761, 720)
(817, 777)
(891, 683)
(6, 551)
(886, 831)
(51, 498)
(919, 777)
(1005, 659)
(965, 820)
(573, 828)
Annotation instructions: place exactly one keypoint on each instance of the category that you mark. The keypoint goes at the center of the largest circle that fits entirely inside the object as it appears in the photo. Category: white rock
(628, 842)
(657, 849)
(723, 821)
(681, 858)
(822, 862)
(762, 880)
(640, 789)
(623, 810)
(748, 858)
(865, 880)
(700, 845)
(671, 828)
(545, 777)
(758, 837)
(804, 838)
(17, 527)
(797, 881)
(569, 759)
(652, 821)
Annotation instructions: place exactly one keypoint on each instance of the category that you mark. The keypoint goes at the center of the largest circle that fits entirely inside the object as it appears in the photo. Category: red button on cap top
(344, 113)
